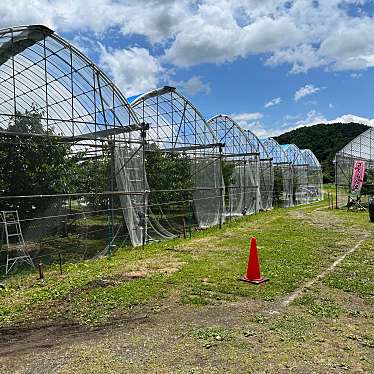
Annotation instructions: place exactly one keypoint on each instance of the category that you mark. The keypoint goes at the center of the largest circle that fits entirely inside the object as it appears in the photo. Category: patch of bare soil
(19, 340)
(111, 281)
(16, 340)
(319, 218)
(141, 269)
(322, 219)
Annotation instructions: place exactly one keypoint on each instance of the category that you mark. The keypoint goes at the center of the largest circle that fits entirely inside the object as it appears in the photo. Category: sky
(271, 65)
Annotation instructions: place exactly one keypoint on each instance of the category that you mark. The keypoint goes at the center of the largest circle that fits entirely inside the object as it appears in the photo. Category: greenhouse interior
(359, 149)
(86, 170)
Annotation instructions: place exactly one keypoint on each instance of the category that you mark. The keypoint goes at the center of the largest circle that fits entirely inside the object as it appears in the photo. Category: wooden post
(41, 273)
(184, 229)
(60, 261)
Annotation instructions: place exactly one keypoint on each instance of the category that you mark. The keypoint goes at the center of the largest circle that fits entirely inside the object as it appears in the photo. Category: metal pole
(111, 200)
(336, 183)
(221, 188)
(190, 219)
(143, 136)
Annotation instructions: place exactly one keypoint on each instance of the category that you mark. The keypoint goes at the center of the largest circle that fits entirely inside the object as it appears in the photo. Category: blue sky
(273, 65)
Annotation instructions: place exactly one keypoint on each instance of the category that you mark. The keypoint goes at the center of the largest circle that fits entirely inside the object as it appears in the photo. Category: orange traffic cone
(253, 271)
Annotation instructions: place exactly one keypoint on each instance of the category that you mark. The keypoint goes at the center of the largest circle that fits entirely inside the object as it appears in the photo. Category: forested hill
(324, 140)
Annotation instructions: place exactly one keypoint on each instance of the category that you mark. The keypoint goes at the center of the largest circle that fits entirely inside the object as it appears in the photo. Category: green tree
(33, 165)
(168, 171)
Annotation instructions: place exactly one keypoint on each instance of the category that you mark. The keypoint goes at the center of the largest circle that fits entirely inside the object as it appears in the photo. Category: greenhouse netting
(299, 173)
(357, 153)
(182, 165)
(250, 187)
(314, 175)
(61, 119)
(241, 170)
(282, 169)
(266, 172)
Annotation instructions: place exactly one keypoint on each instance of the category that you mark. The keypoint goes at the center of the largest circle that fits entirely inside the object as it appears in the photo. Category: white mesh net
(129, 178)
(244, 194)
(266, 184)
(142, 225)
(208, 198)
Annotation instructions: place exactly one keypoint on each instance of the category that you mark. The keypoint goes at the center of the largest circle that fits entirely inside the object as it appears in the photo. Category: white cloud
(246, 117)
(356, 75)
(331, 106)
(252, 122)
(193, 86)
(313, 118)
(302, 33)
(307, 90)
(348, 118)
(134, 70)
(273, 102)
(62, 15)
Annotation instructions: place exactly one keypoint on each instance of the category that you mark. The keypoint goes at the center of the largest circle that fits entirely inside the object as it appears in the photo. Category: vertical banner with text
(358, 176)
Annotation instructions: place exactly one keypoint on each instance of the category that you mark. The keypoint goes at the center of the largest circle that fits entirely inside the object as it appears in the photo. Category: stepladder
(13, 240)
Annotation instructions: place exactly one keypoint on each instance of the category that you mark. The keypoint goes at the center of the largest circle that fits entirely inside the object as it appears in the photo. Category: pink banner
(358, 176)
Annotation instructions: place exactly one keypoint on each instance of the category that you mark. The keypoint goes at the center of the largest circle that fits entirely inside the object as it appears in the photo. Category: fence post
(41, 273)
(60, 261)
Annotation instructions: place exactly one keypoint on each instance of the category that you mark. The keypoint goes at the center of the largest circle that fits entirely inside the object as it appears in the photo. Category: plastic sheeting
(241, 153)
(314, 175)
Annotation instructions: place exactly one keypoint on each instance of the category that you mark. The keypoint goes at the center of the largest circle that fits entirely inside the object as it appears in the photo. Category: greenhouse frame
(282, 168)
(57, 105)
(84, 169)
(249, 186)
(359, 149)
(299, 173)
(314, 185)
(179, 131)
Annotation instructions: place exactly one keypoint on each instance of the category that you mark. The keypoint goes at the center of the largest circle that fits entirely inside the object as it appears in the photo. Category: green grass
(198, 316)
(208, 267)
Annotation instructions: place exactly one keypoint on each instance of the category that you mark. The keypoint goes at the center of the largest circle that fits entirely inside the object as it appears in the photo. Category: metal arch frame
(98, 81)
(349, 150)
(270, 144)
(176, 125)
(253, 151)
(40, 69)
(309, 155)
(298, 155)
(244, 147)
(189, 114)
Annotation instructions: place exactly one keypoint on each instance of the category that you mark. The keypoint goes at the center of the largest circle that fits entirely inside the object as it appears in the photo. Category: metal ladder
(12, 229)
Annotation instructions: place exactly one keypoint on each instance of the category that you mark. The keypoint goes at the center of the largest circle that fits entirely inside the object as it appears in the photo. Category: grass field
(178, 306)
